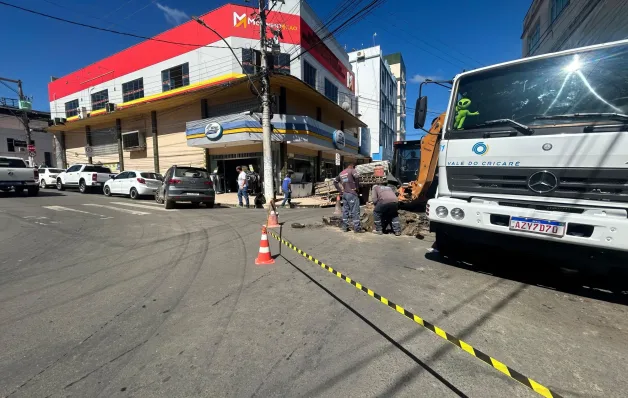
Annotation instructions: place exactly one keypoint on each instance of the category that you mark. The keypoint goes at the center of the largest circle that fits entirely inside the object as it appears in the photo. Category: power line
(359, 14)
(105, 29)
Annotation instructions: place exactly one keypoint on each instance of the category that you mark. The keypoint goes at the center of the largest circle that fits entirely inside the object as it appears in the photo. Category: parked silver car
(186, 184)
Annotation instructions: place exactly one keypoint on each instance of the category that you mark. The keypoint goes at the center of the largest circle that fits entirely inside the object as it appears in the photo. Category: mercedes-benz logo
(542, 182)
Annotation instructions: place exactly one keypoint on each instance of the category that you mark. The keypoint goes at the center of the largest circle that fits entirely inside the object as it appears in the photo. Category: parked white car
(17, 175)
(133, 183)
(48, 177)
(84, 177)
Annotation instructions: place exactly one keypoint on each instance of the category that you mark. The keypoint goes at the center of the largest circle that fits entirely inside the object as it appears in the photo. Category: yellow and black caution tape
(508, 371)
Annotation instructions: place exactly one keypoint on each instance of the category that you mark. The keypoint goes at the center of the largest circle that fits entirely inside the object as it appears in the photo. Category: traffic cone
(338, 210)
(273, 220)
(264, 257)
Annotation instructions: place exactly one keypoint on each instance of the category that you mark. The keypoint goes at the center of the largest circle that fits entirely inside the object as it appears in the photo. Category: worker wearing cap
(386, 205)
(347, 184)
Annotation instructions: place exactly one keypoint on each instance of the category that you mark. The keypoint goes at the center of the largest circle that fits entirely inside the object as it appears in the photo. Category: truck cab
(534, 157)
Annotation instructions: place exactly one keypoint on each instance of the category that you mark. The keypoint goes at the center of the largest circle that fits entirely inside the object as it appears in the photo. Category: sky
(437, 39)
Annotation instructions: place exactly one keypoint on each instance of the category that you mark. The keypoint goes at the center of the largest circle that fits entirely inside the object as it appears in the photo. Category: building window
(281, 64)
(533, 38)
(250, 61)
(133, 90)
(309, 74)
(100, 99)
(13, 144)
(71, 108)
(48, 159)
(331, 91)
(176, 77)
(557, 7)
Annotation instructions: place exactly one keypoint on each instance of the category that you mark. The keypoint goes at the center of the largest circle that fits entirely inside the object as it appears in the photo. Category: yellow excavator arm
(429, 161)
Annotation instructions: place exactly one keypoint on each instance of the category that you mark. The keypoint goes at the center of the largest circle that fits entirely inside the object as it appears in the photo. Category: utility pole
(29, 141)
(269, 190)
(24, 120)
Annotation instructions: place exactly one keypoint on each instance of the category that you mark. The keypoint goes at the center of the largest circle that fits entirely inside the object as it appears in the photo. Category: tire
(196, 204)
(209, 204)
(106, 190)
(42, 184)
(32, 191)
(447, 246)
(158, 198)
(82, 186)
(168, 204)
(60, 186)
(134, 194)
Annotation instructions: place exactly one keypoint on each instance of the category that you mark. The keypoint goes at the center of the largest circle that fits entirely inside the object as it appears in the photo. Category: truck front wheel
(60, 186)
(33, 191)
(447, 246)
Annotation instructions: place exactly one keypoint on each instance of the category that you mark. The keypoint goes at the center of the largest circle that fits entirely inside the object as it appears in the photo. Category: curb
(293, 207)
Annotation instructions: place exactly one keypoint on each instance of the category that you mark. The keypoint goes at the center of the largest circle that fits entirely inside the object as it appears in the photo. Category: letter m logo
(239, 20)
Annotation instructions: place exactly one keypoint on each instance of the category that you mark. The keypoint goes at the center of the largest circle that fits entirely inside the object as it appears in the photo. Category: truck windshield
(407, 162)
(588, 82)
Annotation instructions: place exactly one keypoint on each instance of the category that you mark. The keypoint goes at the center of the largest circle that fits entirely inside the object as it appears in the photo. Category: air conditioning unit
(133, 141)
(361, 55)
(111, 107)
(82, 113)
(20, 149)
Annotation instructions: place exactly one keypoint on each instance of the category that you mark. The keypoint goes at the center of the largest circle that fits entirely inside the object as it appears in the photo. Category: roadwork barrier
(492, 362)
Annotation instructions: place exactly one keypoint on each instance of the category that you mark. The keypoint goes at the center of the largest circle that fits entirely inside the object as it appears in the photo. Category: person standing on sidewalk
(347, 183)
(243, 189)
(286, 187)
(386, 209)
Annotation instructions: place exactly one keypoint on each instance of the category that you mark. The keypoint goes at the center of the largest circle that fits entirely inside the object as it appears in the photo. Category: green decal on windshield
(462, 112)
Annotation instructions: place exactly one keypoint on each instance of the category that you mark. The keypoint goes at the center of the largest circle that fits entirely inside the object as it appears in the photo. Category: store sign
(339, 139)
(213, 131)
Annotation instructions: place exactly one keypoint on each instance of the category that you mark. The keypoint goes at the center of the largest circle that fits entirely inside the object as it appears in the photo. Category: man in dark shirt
(386, 204)
(347, 183)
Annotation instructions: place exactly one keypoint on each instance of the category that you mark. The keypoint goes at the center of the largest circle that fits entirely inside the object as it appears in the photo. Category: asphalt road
(111, 297)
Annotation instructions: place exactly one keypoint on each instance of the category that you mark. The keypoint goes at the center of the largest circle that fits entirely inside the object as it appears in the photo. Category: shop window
(71, 108)
(100, 100)
(133, 90)
(176, 77)
(331, 91)
(309, 74)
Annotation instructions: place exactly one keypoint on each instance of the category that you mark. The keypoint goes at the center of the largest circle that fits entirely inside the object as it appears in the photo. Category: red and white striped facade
(207, 65)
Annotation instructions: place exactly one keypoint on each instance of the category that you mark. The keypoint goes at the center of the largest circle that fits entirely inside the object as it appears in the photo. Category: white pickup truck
(15, 174)
(85, 177)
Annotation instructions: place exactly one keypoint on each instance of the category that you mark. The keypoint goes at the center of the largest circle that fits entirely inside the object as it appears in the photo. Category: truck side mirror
(420, 112)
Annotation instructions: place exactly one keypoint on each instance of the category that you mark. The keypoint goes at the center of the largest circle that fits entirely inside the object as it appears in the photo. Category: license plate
(193, 193)
(535, 225)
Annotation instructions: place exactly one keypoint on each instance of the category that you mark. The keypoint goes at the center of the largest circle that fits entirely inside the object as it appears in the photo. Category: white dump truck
(534, 158)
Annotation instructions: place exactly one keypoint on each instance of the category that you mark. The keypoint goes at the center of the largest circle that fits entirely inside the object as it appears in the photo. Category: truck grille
(580, 183)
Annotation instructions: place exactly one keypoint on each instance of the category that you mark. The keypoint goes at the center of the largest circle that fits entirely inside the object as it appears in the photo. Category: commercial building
(555, 25)
(398, 69)
(183, 98)
(376, 91)
(13, 140)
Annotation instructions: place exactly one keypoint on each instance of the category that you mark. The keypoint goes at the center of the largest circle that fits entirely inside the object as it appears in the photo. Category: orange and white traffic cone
(338, 210)
(264, 257)
(273, 220)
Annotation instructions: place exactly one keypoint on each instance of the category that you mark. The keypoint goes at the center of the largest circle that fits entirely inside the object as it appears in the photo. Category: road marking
(134, 212)
(506, 370)
(143, 206)
(62, 208)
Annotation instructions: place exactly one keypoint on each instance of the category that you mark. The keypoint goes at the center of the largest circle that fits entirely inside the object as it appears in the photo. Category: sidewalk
(231, 200)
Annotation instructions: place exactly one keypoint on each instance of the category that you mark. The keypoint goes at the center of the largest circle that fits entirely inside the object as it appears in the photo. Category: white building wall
(11, 127)
(368, 76)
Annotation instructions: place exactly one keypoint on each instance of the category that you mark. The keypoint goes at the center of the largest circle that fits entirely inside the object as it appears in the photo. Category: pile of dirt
(412, 224)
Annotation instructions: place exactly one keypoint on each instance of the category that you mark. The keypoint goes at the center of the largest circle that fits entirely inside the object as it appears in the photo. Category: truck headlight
(457, 213)
(441, 211)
